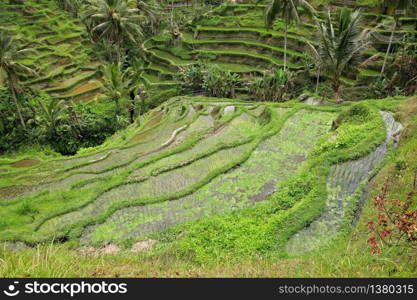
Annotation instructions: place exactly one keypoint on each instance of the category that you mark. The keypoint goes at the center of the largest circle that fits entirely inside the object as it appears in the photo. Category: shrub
(396, 224)
(273, 86)
(192, 76)
(12, 134)
(213, 80)
(86, 126)
(220, 83)
(26, 209)
(358, 113)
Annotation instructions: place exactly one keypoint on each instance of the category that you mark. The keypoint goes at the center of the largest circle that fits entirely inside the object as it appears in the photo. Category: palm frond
(288, 10)
(340, 47)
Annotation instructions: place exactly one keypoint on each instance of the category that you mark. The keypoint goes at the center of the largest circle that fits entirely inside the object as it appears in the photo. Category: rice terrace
(235, 138)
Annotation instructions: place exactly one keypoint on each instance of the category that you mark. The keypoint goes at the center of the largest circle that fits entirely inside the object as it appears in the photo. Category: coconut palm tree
(117, 83)
(340, 48)
(287, 10)
(10, 68)
(393, 6)
(114, 21)
(147, 12)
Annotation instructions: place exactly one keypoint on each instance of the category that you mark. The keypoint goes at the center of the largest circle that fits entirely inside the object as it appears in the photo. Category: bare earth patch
(25, 163)
(143, 246)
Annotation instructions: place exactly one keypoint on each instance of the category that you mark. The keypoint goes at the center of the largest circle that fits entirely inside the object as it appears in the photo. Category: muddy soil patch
(25, 163)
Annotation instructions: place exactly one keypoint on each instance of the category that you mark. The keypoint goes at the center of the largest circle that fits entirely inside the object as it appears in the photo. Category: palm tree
(340, 48)
(114, 20)
(10, 68)
(393, 6)
(288, 11)
(53, 112)
(147, 12)
(116, 85)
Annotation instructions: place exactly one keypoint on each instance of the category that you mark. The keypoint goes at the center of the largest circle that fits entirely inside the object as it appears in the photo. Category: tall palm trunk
(19, 112)
(285, 46)
(336, 89)
(119, 50)
(318, 81)
(172, 14)
(118, 109)
(389, 48)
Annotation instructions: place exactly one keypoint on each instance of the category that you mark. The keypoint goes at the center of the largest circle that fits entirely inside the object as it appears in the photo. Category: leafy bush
(213, 80)
(396, 223)
(275, 86)
(220, 83)
(157, 97)
(84, 126)
(26, 209)
(192, 76)
(401, 76)
(360, 128)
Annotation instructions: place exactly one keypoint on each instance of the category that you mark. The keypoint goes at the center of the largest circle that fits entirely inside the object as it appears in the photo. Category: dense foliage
(67, 128)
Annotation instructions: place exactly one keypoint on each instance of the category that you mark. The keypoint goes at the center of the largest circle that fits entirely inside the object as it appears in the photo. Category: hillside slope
(199, 157)
(172, 186)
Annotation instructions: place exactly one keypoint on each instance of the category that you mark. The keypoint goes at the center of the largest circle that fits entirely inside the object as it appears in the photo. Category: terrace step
(239, 68)
(57, 40)
(348, 81)
(168, 59)
(160, 68)
(84, 91)
(271, 37)
(155, 80)
(368, 76)
(344, 3)
(70, 83)
(236, 45)
(243, 57)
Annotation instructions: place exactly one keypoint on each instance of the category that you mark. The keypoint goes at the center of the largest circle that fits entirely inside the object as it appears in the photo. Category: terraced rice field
(234, 36)
(65, 65)
(192, 158)
(271, 162)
